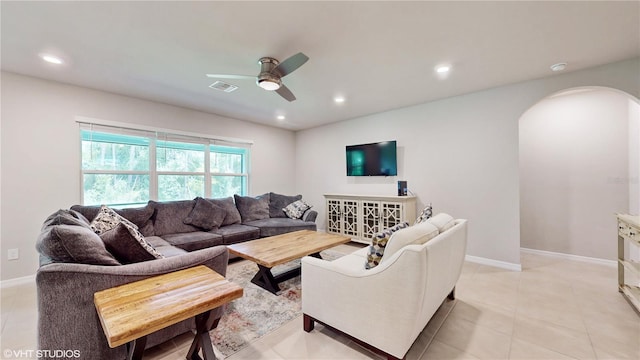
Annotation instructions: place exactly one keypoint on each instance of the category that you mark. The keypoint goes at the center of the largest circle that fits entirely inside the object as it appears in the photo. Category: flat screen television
(376, 159)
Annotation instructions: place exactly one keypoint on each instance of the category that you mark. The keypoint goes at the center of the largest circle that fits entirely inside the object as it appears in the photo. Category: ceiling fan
(271, 73)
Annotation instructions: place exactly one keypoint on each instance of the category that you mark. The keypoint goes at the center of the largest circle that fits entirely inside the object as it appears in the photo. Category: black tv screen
(377, 159)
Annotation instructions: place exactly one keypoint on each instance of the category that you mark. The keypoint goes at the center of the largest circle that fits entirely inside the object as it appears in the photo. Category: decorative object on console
(425, 214)
(296, 209)
(379, 243)
(402, 188)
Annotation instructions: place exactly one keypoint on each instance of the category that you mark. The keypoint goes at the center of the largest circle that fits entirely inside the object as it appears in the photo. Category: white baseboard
(494, 263)
(611, 263)
(17, 281)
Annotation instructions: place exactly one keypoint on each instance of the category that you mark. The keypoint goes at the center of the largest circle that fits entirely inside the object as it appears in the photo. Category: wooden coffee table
(130, 312)
(275, 250)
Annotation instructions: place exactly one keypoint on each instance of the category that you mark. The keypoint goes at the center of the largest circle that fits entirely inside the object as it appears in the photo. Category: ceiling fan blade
(289, 65)
(230, 76)
(286, 93)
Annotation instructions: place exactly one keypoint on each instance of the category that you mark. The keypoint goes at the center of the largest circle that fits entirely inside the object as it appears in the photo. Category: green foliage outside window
(117, 169)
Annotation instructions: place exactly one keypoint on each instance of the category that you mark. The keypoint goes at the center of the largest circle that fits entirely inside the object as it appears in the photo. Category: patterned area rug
(258, 311)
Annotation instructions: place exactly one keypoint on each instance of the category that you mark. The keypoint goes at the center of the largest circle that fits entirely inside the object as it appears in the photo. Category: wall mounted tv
(376, 159)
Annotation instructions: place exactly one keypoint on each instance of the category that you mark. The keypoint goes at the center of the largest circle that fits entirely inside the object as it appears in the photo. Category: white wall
(574, 171)
(460, 153)
(634, 157)
(40, 152)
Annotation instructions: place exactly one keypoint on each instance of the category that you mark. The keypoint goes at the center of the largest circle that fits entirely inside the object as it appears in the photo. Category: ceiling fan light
(268, 84)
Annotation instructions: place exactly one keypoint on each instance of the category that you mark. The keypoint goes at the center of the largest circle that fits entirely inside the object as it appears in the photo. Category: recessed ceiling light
(558, 66)
(443, 69)
(51, 59)
(280, 117)
(339, 99)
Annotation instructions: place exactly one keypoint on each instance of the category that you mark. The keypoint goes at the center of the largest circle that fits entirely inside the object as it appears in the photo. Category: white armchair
(386, 308)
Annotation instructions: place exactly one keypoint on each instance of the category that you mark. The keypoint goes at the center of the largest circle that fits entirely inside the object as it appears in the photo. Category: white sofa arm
(348, 297)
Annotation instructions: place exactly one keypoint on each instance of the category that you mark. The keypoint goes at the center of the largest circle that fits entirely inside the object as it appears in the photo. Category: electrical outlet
(13, 254)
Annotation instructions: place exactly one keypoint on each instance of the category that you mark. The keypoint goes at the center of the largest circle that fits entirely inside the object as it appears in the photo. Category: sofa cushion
(412, 235)
(156, 241)
(277, 226)
(195, 240)
(236, 233)
(140, 216)
(252, 208)
(378, 243)
(169, 216)
(107, 219)
(170, 250)
(128, 245)
(425, 214)
(442, 221)
(66, 217)
(205, 214)
(73, 244)
(296, 209)
(232, 215)
(278, 202)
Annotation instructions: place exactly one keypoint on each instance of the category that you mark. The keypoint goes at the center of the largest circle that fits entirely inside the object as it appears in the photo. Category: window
(127, 168)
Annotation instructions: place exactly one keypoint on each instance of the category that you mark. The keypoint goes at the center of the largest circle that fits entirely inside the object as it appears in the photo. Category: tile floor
(553, 309)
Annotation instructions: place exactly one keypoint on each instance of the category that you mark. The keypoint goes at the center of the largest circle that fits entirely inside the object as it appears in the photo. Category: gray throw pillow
(128, 245)
(73, 244)
(66, 217)
(277, 202)
(253, 208)
(232, 215)
(205, 215)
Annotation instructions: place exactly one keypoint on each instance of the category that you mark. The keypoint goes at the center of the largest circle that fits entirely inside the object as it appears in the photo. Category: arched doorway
(579, 164)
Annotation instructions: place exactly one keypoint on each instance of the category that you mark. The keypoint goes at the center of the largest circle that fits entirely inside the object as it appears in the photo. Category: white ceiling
(379, 55)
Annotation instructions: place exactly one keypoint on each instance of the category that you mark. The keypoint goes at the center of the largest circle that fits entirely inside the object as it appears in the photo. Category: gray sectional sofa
(75, 262)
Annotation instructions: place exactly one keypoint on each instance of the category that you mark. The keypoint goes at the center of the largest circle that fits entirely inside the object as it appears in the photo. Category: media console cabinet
(361, 216)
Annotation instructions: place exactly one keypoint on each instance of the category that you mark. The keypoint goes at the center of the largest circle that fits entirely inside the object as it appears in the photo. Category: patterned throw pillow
(296, 209)
(425, 214)
(108, 219)
(378, 243)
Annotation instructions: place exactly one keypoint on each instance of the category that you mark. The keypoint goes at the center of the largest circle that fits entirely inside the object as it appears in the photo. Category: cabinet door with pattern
(334, 216)
(391, 214)
(350, 215)
(370, 218)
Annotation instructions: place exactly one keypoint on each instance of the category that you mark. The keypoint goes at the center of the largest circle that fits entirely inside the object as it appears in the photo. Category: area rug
(258, 311)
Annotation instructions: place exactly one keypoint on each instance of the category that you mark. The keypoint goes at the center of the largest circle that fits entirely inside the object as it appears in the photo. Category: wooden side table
(130, 312)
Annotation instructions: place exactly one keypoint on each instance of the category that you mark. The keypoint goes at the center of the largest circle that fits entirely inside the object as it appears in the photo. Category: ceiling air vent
(223, 86)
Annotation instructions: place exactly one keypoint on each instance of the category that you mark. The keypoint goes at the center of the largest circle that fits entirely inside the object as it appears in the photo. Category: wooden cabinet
(629, 231)
(361, 216)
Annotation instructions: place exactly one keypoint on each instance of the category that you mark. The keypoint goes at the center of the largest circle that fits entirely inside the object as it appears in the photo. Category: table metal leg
(202, 340)
(266, 280)
(135, 349)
